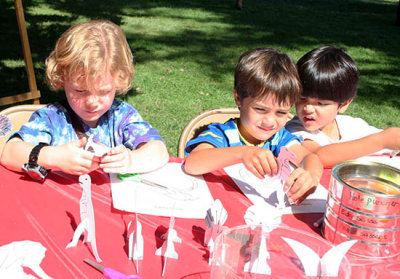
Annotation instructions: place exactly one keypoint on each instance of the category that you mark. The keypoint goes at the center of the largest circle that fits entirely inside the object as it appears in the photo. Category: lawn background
(185, 51)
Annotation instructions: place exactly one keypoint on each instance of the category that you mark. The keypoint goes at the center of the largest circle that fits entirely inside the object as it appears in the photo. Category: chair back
(18, 115)
(200, 122)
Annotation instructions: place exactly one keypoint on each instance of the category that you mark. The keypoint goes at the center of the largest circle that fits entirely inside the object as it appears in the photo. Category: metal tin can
(364, 204)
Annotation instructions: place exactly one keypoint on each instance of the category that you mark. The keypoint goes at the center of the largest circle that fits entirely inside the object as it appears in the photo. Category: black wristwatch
(32, 168)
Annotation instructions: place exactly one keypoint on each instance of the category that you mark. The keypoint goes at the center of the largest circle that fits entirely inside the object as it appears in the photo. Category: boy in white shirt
(330, 81)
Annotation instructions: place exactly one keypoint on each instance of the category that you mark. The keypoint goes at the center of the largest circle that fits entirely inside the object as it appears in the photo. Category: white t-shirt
(350, 128)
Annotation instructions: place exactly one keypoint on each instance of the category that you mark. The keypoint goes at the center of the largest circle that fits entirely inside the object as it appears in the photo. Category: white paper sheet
(186, 196)
(265, 191)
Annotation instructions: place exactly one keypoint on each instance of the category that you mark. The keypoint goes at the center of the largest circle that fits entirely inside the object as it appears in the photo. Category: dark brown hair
(328, 73)
(265, 71)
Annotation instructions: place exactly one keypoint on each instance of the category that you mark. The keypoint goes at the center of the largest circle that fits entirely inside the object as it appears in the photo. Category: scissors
(109, 272)
(172, 192)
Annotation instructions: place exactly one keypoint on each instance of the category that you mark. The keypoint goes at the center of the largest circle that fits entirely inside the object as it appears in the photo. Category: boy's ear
(343, 107)
(238, 100)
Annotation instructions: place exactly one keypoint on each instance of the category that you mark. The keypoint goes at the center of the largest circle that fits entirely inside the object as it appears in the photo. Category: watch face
(36, 175)
(36, 172)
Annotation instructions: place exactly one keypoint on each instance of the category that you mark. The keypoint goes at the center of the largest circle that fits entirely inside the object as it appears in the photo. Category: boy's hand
(117, 160)
(299, 185)
(259, 161)
(71, 158)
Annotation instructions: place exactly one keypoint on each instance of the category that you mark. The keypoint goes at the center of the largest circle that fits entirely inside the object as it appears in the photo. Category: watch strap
(34, 155)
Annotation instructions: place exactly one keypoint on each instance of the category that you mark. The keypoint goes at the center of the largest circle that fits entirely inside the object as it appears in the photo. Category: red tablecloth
(49, 213)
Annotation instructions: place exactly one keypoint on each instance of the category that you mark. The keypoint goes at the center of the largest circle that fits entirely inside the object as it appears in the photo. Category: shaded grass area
(185, 51)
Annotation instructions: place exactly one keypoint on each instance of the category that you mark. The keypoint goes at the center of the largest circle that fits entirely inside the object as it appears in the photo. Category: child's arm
(69, 157)
(334, 153)
(303, 181)
(206, 158)
(147, 157)
(311, 145)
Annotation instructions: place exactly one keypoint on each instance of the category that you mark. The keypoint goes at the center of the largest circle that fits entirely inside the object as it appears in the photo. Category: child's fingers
(118, 149)
(300, 195)
(113, 168)
(273, 165)
(264, 167)
(299, 185)
(257, 170)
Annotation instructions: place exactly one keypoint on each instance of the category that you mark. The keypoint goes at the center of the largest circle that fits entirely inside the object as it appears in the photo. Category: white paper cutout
(265, 215)
(258, 262)
(313, 265)
(215, 218)
(136, 244)
(18, 254)
(269, 217)
(87, 223)
(265, 191)
(167, 250)
(156, 201)
(98, 149)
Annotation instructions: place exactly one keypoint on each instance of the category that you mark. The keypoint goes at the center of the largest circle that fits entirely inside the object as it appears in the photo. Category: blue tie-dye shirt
(121, 124)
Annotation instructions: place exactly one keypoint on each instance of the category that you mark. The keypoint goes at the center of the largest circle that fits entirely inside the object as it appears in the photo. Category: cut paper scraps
(87, 224)
(269, 191)
(167, 250)
(18, 254)
(160, 191)
(313, 265)
(215, 219)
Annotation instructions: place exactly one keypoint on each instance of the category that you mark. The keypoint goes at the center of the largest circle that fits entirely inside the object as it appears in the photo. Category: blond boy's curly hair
(89, 50)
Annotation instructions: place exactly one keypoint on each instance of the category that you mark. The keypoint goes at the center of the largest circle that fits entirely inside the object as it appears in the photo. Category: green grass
(185, 51)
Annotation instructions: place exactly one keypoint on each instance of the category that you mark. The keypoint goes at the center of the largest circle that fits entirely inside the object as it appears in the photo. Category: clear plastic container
(282, 252)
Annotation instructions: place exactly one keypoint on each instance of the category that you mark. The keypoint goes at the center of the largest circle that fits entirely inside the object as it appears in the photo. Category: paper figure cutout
(167, 250)
(98, 149)
(87, 217)
(215, 218)
(16, 255)
(5, 125)
(135, 241)
(284, 158)
(268, 217)
(258, 261)
(265, 215)
(313, 265)
(264, 191)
